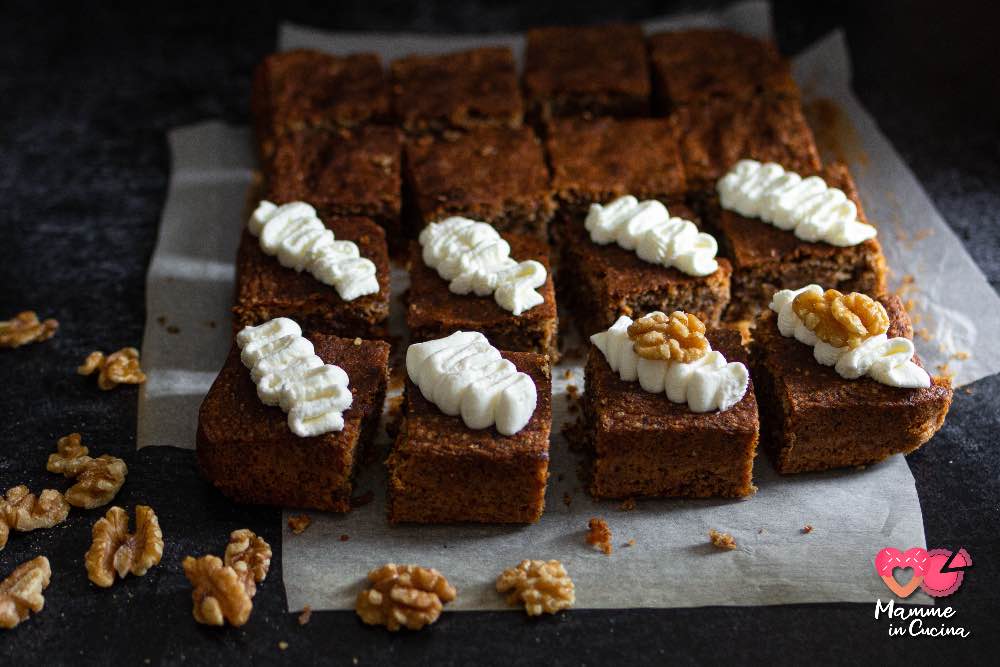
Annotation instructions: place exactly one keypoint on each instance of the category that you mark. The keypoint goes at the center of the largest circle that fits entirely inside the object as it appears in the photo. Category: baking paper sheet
(853, 513)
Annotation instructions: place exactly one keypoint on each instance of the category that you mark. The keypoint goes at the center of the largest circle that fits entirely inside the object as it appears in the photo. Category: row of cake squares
(607, 70)
(671, 409)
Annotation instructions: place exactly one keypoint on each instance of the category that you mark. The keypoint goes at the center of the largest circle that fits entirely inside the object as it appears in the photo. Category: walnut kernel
(114, 549)
(25, 328)
(677, 337)
(721, 540)
(121, 367)
(219, 596)
(541, 586)
(21, 591)
(70, 457)
(841, 320)
(23, 511)
(250, 556)
(98, 482)
(404, 595)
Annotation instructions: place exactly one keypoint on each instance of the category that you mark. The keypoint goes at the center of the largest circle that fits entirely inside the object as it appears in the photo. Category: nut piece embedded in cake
(116, 550)
(219, 595)
(21, 591)
(541, 586)
(841, 320)
(98, 482)
(404, 596)
(677, 337)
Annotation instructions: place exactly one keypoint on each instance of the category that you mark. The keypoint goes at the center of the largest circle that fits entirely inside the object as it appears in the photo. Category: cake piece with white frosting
(664, 419)
(836, 396)
(474, 441)
(464, 275)
(783, 229)
(630, 257)
(246, 440)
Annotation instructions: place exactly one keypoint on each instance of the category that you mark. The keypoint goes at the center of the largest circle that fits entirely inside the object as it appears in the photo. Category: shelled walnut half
(841, 320)
(98, 482)
(121, 367)
(21, 591)
(70, 457)
(25, 328)
(541, 586)
(678, 337)
(115, 550)
(23, 511)
(404, 596)
(219, 596)
(250, 556)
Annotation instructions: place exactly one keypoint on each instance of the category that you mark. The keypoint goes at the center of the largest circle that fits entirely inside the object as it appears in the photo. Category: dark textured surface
(87, 96)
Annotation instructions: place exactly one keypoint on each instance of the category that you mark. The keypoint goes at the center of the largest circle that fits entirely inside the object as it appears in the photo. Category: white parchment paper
(853, 513)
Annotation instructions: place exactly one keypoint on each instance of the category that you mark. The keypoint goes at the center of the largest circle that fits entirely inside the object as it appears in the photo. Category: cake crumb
(923, 334)
(345, 537)
(298, 523)
(945, 372)
(599, 535)
(161, 320)
(567, 499)
(305, 615)
(568, 374)
(721, 540)
(806, 529)
(572, 392)
(968, 391)
(960, 356)
(627, 505)
(357, 342)
(211, 324)
(282, 644)
(630, 543)
(173, 329)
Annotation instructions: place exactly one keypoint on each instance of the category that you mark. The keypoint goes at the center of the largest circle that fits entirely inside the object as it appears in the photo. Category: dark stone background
(86, 95)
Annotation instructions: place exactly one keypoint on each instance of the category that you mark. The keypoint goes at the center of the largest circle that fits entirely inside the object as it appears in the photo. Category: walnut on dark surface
(115, 550)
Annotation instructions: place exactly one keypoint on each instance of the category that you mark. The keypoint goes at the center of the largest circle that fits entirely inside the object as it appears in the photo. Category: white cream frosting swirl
(883, 359)
(302, 242)
(289, 374)
(464, 375)
(805, 206)
(706, 384)
(656, 237)
(474, 258)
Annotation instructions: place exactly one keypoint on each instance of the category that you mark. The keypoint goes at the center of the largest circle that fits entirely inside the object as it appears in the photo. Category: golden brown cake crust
(247, 451)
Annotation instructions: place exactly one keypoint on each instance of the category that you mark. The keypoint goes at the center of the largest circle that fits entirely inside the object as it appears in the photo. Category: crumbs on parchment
(721, 540)
(599, 535)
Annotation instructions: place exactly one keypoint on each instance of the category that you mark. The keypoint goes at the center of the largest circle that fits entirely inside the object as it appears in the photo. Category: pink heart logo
(887, 560)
